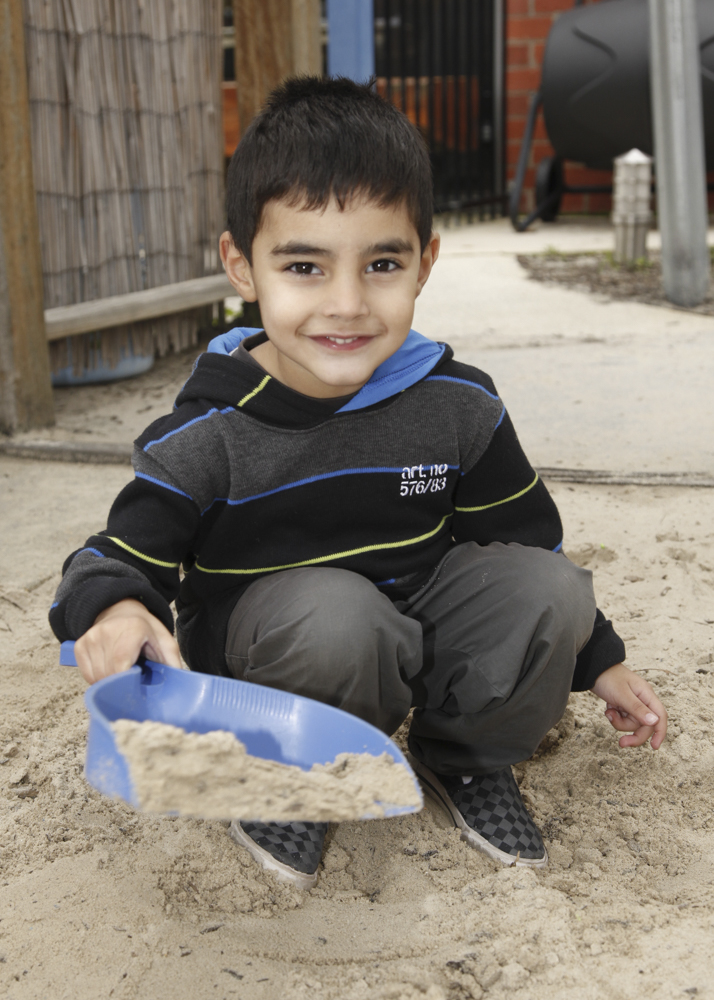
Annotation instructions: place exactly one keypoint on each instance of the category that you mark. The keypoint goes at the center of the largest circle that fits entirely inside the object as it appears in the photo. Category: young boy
(351, 507)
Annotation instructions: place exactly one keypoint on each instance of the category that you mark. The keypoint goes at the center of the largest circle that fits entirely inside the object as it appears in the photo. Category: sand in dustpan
(213, 776)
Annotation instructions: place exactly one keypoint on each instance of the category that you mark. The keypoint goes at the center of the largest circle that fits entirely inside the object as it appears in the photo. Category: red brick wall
(527, 25)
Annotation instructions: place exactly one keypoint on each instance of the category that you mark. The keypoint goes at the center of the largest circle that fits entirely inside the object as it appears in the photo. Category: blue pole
(350, 39)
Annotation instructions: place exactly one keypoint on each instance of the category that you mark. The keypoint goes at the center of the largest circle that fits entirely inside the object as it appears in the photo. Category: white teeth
(342, 340)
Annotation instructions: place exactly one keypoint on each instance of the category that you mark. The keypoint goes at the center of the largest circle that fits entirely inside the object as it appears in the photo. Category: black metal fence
(442, 63)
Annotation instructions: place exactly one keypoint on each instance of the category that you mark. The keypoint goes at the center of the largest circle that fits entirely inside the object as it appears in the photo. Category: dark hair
(318, 138)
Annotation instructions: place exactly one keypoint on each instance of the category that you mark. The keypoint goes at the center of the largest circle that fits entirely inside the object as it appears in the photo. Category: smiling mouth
(335, 343)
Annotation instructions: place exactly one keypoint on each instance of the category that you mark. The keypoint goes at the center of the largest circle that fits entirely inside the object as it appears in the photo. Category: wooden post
(307, 48)
(274, 39)
(25, 386)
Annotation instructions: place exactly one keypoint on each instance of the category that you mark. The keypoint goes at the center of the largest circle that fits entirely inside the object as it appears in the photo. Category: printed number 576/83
(422, 486)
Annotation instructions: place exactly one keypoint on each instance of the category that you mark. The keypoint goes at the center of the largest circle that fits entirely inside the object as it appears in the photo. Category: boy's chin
(341, 386)
(345, 369)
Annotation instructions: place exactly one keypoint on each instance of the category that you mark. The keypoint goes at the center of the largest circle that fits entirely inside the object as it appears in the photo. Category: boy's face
(336, 289)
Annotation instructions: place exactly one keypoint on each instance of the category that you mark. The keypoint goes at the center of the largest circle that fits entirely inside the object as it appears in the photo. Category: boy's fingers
(658, 739)
(117, 639)
(100, 655)
(632, 707)
(165, 650)
(623, 723)
(656, 707)
(85, 661)
(641, 733)
(104, 663)
(641, 712)
(121, 653)
(660, 731)
(159, 645)
(97, 658)
(637, 738)
(91, 659)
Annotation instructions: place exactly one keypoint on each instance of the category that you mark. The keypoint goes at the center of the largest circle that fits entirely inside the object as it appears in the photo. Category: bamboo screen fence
(125, 100)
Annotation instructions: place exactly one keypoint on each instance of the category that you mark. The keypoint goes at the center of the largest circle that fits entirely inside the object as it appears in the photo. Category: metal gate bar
(437, 61)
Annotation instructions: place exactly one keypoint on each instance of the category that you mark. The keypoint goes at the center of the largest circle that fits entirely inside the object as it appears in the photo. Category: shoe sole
(434, 789)
(282, 872)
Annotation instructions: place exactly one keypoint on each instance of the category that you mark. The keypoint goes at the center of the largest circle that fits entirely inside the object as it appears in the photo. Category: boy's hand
(118, 637)
(632, 706)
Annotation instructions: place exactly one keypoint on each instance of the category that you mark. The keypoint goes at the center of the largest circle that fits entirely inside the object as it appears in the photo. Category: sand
(212, 775)
(97, 900)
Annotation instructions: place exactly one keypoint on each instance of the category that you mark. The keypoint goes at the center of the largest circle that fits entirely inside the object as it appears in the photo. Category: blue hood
(414, 359)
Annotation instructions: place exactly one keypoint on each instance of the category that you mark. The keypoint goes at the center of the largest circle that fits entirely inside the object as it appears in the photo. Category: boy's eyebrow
(391, 246)
(297, 249)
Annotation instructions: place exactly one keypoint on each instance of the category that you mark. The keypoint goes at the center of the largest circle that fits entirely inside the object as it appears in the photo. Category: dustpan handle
(67, 657)
(151, 671)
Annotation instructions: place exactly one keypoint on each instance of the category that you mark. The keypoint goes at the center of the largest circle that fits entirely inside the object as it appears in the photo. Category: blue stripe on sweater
(190, 423)
(305, 482)
(462, 381)
(159, 482)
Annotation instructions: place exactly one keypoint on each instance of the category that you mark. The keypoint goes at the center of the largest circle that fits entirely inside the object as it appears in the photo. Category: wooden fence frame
(132, 307)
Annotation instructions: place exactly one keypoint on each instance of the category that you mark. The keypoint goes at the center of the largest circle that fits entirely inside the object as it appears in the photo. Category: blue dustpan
(272, 724)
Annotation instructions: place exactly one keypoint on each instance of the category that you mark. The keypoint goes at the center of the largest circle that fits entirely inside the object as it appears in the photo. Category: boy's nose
(345, 300)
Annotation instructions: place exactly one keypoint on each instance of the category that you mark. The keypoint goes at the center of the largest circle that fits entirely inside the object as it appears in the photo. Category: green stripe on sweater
(333, 555)
(472, 510)
(141, 555)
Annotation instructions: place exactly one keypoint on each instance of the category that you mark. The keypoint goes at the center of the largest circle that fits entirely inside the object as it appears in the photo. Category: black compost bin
(595, 94)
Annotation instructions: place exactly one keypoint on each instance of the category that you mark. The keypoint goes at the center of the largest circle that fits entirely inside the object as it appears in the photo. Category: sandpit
(97, 900)
(213, 776)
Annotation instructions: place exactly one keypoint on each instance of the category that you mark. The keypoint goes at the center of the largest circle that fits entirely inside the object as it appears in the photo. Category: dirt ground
(99, 901)
(598, 273)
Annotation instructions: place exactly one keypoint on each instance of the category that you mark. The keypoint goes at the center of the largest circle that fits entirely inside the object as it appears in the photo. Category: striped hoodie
(247, 477)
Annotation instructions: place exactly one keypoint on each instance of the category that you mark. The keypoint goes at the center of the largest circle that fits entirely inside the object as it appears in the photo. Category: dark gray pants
(484, 652)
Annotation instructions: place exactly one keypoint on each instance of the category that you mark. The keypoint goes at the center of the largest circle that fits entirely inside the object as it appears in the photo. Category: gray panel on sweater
(433, 422)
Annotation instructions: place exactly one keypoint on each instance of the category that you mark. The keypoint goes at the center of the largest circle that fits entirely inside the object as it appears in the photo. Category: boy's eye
(304, 267)
(383, 266)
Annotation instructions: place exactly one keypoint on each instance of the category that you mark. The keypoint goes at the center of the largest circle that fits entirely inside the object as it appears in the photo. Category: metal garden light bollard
(631, 213)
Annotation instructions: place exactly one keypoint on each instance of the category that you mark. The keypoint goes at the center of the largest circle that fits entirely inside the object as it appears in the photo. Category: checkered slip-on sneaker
(291, 851)
(490, 812)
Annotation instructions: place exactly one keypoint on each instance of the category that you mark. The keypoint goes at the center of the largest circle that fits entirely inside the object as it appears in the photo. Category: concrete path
(589, 384)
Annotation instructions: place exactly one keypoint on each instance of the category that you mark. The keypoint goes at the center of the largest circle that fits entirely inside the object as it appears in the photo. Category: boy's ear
(428, 259)
(238, 270)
